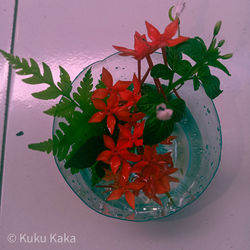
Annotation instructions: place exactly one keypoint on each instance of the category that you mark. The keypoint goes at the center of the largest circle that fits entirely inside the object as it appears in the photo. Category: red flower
(116, 154)
(159, 184)
(168, 140)
(162, 40)
(109, 110)
(126, 189)
(133, 118)
(141, 47)
(107, 79)
(130, 139)
(132, 97)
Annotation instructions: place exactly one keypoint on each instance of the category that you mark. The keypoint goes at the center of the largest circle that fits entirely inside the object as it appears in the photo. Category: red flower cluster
(134, 167)
(142, 47)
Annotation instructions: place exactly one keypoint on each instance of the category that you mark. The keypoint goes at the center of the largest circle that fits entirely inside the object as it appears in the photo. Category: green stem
(170, 198)
(182, 80)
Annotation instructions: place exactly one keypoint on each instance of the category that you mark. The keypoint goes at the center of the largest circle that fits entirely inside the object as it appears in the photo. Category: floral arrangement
(116, 129)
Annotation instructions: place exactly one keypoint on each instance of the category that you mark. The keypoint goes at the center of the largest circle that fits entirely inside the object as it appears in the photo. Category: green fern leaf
(50, 93)
(64, 108)
(23, 68)
(83, 94)
(65, 83)
(45, 146)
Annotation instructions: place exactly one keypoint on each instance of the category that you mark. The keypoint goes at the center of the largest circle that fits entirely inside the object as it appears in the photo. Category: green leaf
(47, 75)
(212, 54)
(178, 106)
(148, 102)
(74, 170)
(65, 82)
(23, 67)
(86, 155)
(161, 71)
(100, 85)
(219, 65)
(203, 72)
(183, 67)
(98, 172)
(173, 56)
(83, 94)
(211, 85)
(48, 94)
(64, 108)
(193, 48)
(156, 131)
(196, 83)
(45, 146)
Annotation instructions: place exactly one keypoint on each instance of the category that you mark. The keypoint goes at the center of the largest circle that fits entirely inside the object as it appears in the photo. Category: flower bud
(227, 56)
(221, 42)
(217, 28)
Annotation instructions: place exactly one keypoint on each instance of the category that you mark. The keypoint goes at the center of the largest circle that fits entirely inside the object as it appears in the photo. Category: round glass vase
(196, 151)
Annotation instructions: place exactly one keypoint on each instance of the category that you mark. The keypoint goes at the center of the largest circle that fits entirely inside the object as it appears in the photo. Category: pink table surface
(35, 197)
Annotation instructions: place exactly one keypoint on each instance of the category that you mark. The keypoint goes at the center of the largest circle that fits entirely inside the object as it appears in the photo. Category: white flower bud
(163, 113)
(179, 7)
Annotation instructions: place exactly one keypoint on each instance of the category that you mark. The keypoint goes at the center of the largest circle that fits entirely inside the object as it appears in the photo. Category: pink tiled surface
(74, 34)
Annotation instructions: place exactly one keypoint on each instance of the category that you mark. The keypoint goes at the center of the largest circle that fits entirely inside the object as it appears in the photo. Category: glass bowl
(196, 151)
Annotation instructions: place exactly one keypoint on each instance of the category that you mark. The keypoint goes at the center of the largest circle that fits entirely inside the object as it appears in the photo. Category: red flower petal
(139, 142)
(123, 115)
(139, 166)
(104, 156)
(156, 199)
(99, 104)
(112, 100)
(138, 116)
(176, 41)
(107, 78)
(142, 48)
(115, 163)
(130, 156)
(126, 95)
(99, 94)
(161, 188)
(97, 117)
(153, 33)
(111, 121)
(138, 131)
(108, 142)
(125, 132)
(168, 141)
(130, 198)
(121, 85)
(115, 195)
(171, 29)
(126, 168)
(125, 51)
(137, 85)
(136, 185)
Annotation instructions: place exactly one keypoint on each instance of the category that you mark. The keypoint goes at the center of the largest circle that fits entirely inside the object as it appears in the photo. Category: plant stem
(156, 80)
(184, 78)
(164, 54)
(139, 70)
(170, 198)
(145, 75)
